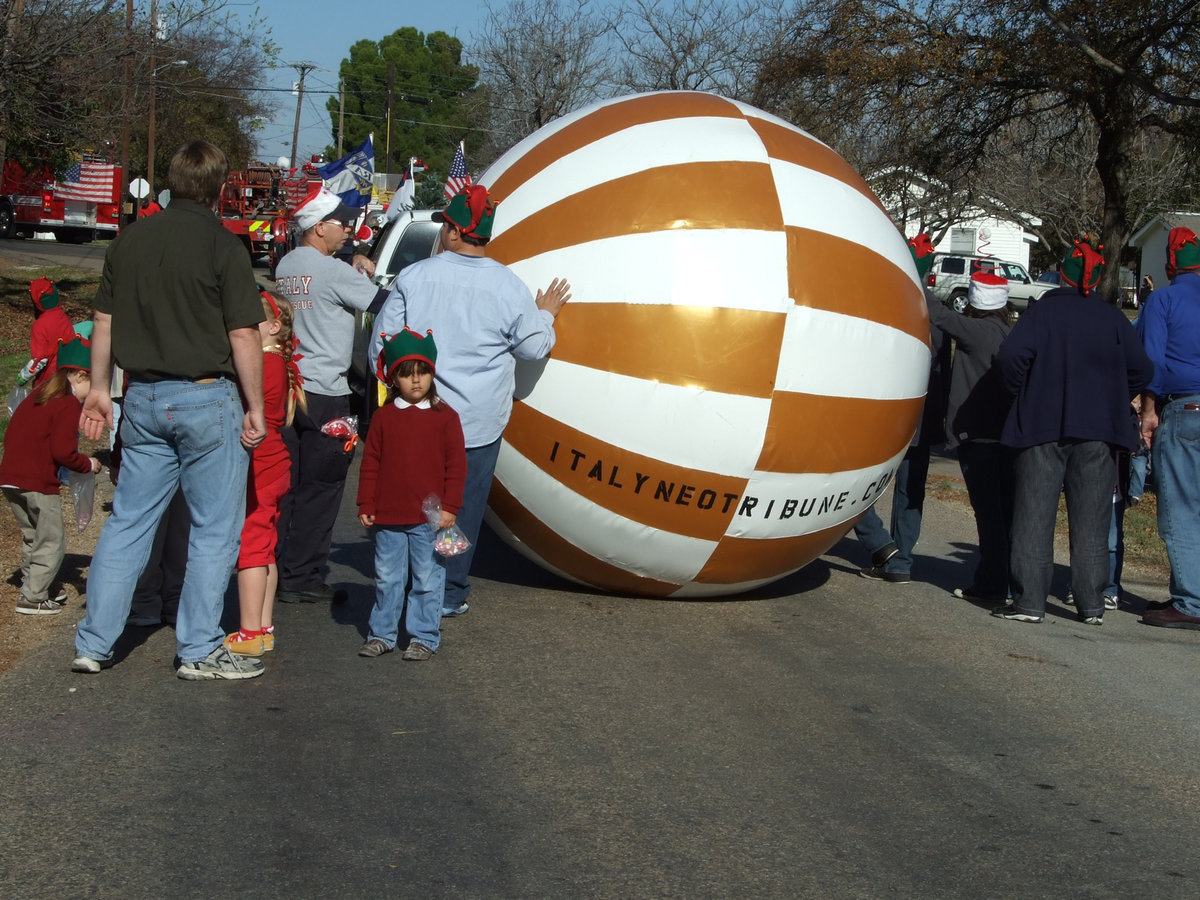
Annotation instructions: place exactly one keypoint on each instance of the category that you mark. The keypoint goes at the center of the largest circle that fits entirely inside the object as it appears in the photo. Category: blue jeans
(908, 501)
(1138, 464)
(1086, 471)
(1177, 468)
(399, 549)
(481, 466)
(173, 434)
(987, 471)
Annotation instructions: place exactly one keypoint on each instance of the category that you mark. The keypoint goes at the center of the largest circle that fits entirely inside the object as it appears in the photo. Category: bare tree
(696, 45)
(941, 81)
(542, 59)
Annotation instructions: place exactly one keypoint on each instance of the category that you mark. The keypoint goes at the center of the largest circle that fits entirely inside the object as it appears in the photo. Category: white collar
(401, 403)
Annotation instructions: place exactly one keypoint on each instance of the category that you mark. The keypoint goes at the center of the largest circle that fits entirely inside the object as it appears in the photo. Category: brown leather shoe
(1170, 618)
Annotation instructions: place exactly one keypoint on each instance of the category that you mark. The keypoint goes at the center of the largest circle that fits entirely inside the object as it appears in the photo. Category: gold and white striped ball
(741, 365)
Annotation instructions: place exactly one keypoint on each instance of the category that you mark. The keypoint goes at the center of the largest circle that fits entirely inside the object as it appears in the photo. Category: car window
(417, 243)
(1014, 272)
(952, 265)
(983, 265)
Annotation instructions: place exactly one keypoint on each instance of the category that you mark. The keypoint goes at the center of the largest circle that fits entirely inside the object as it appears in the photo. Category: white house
(974, 232)
(988, 236)
(1151, 241)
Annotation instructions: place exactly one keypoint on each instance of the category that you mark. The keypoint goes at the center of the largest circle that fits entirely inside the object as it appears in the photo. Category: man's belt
(1175, 398)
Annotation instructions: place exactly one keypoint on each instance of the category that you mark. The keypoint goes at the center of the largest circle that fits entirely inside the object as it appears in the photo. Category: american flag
(459, 176)
(90, 181)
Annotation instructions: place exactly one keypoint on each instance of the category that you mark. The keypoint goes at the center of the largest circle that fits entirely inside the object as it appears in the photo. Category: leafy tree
(937, 85)
(433, 96)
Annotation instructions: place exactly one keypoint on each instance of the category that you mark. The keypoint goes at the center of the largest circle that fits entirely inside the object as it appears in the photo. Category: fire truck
(257, 202)
(80, 205)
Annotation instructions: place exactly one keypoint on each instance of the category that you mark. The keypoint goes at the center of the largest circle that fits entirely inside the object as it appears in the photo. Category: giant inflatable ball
(741, 365)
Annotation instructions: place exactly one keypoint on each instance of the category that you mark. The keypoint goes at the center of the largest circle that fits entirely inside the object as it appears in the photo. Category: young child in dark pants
(43, 436)
(415, 448)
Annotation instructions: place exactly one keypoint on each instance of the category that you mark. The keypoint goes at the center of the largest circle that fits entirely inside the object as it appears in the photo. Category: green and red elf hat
(44, 294)
(404, 345)
(472, 210)
(74, 354)
(1083, 265)
(921, 248)
(1183, 251)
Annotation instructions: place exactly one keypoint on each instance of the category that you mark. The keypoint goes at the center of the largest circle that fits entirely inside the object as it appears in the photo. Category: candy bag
(346, 427)
(448, 541)
(15, 396)
(83, 495)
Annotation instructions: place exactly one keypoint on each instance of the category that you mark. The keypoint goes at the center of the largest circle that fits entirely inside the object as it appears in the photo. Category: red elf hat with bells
(1183, 251)
(1083, 265)
(406, 344)
(472, 211)
(921, 248)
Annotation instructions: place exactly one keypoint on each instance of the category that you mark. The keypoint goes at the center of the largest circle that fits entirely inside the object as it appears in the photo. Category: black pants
(306, 515)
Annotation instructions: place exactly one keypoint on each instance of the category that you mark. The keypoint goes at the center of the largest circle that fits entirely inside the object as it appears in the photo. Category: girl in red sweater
(414, 448)
(42, 436)
(269, 479)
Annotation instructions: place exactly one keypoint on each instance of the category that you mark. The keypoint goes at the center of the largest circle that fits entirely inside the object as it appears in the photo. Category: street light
(150, 130)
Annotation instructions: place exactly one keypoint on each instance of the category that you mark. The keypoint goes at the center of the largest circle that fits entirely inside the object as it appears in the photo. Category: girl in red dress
(268, 482)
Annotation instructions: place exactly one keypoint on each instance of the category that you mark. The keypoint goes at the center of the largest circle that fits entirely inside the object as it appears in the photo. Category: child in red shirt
(415, 448)
(50, 326)
(269, 479)
(42, 436)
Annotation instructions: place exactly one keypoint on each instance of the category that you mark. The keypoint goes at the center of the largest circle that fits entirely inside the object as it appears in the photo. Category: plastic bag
(448, 541)
(15, 396)
(346, 427)
(83, 495)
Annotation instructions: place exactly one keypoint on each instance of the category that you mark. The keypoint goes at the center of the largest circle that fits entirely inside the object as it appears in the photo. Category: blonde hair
(278, 309)
(59, 385)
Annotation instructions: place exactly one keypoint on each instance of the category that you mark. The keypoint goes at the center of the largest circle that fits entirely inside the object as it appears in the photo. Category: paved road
(830, 737)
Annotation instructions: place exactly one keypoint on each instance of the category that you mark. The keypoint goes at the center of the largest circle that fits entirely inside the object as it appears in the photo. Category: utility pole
(303, 68)
(153, 92)
(391, 76)
(341, 113)
(127, 76)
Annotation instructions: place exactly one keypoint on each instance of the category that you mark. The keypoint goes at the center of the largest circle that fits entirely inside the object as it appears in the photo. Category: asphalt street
(826, 737)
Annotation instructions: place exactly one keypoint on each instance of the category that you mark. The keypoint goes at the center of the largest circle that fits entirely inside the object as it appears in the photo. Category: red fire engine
(257, 203)
(78, 206)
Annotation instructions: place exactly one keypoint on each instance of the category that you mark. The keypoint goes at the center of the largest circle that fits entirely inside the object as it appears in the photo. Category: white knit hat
(987, 291)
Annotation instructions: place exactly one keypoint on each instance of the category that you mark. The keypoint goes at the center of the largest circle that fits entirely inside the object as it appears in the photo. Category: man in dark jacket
(1072, 363)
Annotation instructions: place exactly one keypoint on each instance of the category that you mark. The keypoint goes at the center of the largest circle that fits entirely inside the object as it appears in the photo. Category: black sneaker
(880, 557)
(322, 594)
(876, 573)
(1015, 615)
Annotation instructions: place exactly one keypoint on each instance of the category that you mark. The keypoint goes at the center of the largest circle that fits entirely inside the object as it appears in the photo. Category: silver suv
(412, 236)
(950, 275)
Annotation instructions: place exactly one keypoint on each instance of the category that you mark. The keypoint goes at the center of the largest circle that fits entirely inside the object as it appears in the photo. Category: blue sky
(322, 33)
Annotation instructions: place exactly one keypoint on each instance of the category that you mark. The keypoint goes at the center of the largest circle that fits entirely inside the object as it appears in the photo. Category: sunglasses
(345, 226)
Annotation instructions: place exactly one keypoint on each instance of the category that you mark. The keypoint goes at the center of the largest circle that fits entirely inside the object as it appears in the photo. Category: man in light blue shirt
(1170, 330)
(483, 318)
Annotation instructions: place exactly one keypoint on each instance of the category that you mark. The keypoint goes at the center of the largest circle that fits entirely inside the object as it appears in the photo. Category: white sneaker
(222, 665)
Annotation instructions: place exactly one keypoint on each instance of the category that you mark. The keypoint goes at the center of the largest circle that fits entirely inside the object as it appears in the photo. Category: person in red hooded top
(50, 326)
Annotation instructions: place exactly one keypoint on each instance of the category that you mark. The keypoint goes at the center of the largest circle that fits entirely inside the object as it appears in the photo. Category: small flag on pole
(459, 176)
(405, 196)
